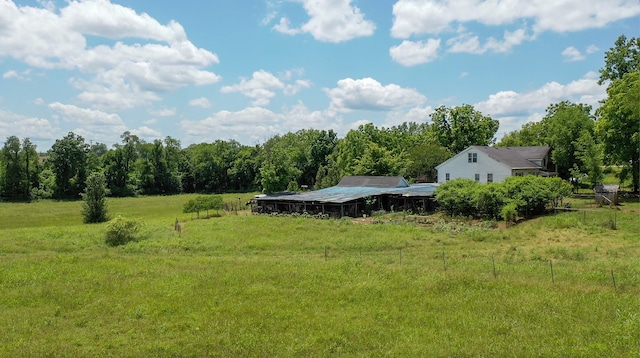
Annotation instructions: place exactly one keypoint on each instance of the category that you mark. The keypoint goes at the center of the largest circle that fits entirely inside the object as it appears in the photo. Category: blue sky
(247, 70)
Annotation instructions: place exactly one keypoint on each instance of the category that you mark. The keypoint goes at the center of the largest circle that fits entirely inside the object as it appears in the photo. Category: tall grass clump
(121, 231)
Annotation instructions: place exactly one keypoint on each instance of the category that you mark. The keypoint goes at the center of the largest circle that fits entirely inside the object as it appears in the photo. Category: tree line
(581, 140)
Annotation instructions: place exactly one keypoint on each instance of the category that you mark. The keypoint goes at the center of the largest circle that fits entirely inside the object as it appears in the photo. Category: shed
(353, 196)
(606, 194)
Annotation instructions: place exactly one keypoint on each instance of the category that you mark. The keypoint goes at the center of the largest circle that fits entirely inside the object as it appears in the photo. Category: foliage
(489, 200)
(590, 154)
(19, 173)
(531, 134)
(622, 59)
(203, 203)
(68, 159)
(121, 231)
(457, 197)
(460, 127)
(564, 124)
(618, 126)
(94, 205)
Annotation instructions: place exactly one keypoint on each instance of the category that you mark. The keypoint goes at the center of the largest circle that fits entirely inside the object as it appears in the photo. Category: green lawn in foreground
(262, 286)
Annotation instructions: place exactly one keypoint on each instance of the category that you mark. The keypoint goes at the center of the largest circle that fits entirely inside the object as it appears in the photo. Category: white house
(494, 164)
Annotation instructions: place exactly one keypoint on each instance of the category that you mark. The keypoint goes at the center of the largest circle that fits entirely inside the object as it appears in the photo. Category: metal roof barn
(353, 196)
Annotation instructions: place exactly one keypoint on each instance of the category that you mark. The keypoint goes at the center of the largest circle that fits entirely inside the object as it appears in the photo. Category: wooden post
(552, 278)
(444, 261)
(326, 253)
(494, 267)
(400, 257)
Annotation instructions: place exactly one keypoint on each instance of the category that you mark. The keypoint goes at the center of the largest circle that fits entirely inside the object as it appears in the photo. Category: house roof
(373, 182)
(516, 157)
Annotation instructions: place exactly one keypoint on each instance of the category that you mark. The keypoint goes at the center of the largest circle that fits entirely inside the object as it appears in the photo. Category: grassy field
(243, 285)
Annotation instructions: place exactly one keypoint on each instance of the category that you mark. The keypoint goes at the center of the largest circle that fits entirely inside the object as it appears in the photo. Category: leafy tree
(203, 203)
(618, 126)
(423, 159)
(20, 169)
(622, 59)
(489, 200)
(532, 194)
(460, 127)
(589, 153)
(68, 158)
(377, 160)
(94, 206)
(531, 134)
(564, 124)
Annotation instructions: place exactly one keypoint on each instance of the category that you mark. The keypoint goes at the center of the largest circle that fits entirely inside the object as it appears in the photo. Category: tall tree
(618, 126)
(563, 124)
(622, 59)
(589, 153)
(531, 134)
(14, 178)
(68, 158)
(460, 127)
(94, 206)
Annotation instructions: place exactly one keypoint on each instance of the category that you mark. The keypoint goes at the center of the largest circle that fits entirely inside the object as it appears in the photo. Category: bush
(94, 205)
(456, 197)
(121, 231)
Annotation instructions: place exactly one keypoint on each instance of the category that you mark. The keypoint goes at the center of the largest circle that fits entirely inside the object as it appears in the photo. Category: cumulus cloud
(165, 112)
(592, 49)
(419, 17)
(254, 125)
(411, 53)
(572, 54)
(330, 21)
(128, 75)
(514, 109)
(369, 94)
(262, 84)
(12, 124)
(146, 133)
(415, 17)
(200, 102)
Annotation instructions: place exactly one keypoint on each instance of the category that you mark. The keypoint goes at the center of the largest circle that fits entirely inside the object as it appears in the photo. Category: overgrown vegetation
(524, 196)
(121, 231)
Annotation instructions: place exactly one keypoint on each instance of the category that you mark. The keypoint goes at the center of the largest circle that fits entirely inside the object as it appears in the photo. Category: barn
(354, 196)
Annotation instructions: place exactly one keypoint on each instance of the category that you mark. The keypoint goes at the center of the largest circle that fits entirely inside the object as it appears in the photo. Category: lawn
(244, 285)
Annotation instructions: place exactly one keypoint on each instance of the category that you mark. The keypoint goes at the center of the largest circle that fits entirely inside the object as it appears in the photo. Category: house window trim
(489, 177)
(447, 177)
(472, 157)
(477, 177)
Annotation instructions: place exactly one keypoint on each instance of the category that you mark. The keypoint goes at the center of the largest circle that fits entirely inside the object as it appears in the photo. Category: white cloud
(416, 115)
(10, 74)
(514, 109)
(469, 43)
(592, 49)
(415, 17)
(369, 94)
(127, 75)
(38, 101)
(200, 102)
(87, 116)
(410, 53)
(330, 21)
(259, 87)
(12, 124)
(297, 86)
(256, 124)
(165, 112)
(572, 54)
(146, 133)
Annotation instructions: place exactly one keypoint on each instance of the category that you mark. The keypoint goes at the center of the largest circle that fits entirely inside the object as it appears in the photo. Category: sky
(247, 70)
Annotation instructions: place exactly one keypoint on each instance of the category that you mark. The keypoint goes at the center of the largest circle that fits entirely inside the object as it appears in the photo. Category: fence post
(613, 277)
(494, 267)
(326, 253)
(400, 257)
(552, 278)
(444, 261)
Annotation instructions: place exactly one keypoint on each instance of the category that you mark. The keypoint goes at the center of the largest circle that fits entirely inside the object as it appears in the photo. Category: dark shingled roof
(373, 182)
(516, 157)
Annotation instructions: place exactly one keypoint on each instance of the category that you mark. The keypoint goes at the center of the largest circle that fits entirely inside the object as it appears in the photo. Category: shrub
(121, 231)
(456, 197)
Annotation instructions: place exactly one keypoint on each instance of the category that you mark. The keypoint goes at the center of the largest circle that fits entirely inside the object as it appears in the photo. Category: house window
(518, 174)
(490, 178)
(446, 177)
(477, 177)
(472, 157)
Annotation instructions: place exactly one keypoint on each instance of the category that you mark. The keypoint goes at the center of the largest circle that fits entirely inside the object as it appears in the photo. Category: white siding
(459, 167)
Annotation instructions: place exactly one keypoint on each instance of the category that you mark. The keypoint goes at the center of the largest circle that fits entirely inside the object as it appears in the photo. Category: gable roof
(516, 157)
(373, 182)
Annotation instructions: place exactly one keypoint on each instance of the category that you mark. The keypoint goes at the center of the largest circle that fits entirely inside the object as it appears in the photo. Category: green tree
(564, 124)
(589, 153)
(68, 158)
(94, 205)
(423, 159)
(20, 169)
(622, 59)
(531, 134)
(460, 127)
(618, 126)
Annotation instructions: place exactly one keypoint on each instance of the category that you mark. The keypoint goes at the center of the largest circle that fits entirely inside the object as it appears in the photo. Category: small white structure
(494, 164)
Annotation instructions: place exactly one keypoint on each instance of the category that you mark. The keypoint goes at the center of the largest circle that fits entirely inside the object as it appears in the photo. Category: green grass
(276, 286)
